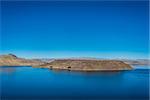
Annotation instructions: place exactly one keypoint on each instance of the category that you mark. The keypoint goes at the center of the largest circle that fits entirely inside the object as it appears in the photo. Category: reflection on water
(35, 83)
(8, 70)
(88, 72)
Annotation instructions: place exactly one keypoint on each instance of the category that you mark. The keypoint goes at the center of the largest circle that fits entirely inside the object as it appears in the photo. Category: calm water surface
(27, 83)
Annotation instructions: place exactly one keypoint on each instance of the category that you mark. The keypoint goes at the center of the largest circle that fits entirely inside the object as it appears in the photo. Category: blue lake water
(27, 83)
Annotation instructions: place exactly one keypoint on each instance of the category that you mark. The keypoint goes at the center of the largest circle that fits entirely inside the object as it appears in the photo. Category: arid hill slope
(87, 65)
(12, 60)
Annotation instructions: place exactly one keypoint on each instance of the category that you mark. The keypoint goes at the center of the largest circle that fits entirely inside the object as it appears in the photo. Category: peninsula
(66, 64)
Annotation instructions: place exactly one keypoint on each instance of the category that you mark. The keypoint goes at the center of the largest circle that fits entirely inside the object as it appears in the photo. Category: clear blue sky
(75, 29)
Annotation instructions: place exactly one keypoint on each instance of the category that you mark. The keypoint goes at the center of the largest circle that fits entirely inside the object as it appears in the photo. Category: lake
(27, 83)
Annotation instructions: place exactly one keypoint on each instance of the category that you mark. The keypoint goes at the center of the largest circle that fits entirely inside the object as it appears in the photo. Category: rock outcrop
(87, 65)
(12, 60)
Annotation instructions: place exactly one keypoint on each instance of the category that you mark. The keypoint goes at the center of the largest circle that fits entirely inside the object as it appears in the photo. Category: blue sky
(112, 29)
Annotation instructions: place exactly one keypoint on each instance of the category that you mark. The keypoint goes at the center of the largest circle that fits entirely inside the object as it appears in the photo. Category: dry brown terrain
(87, 65)
(12, 60)
(66, 64)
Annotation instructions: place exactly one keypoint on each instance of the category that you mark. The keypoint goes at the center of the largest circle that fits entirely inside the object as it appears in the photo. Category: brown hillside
(12, 60)
(87, 65)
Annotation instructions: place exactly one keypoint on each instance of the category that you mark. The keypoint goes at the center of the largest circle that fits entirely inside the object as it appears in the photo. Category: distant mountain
(137, 62)
(46, 60)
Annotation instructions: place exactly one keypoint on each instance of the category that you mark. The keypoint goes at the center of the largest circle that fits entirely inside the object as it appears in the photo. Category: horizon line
(43, 56)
